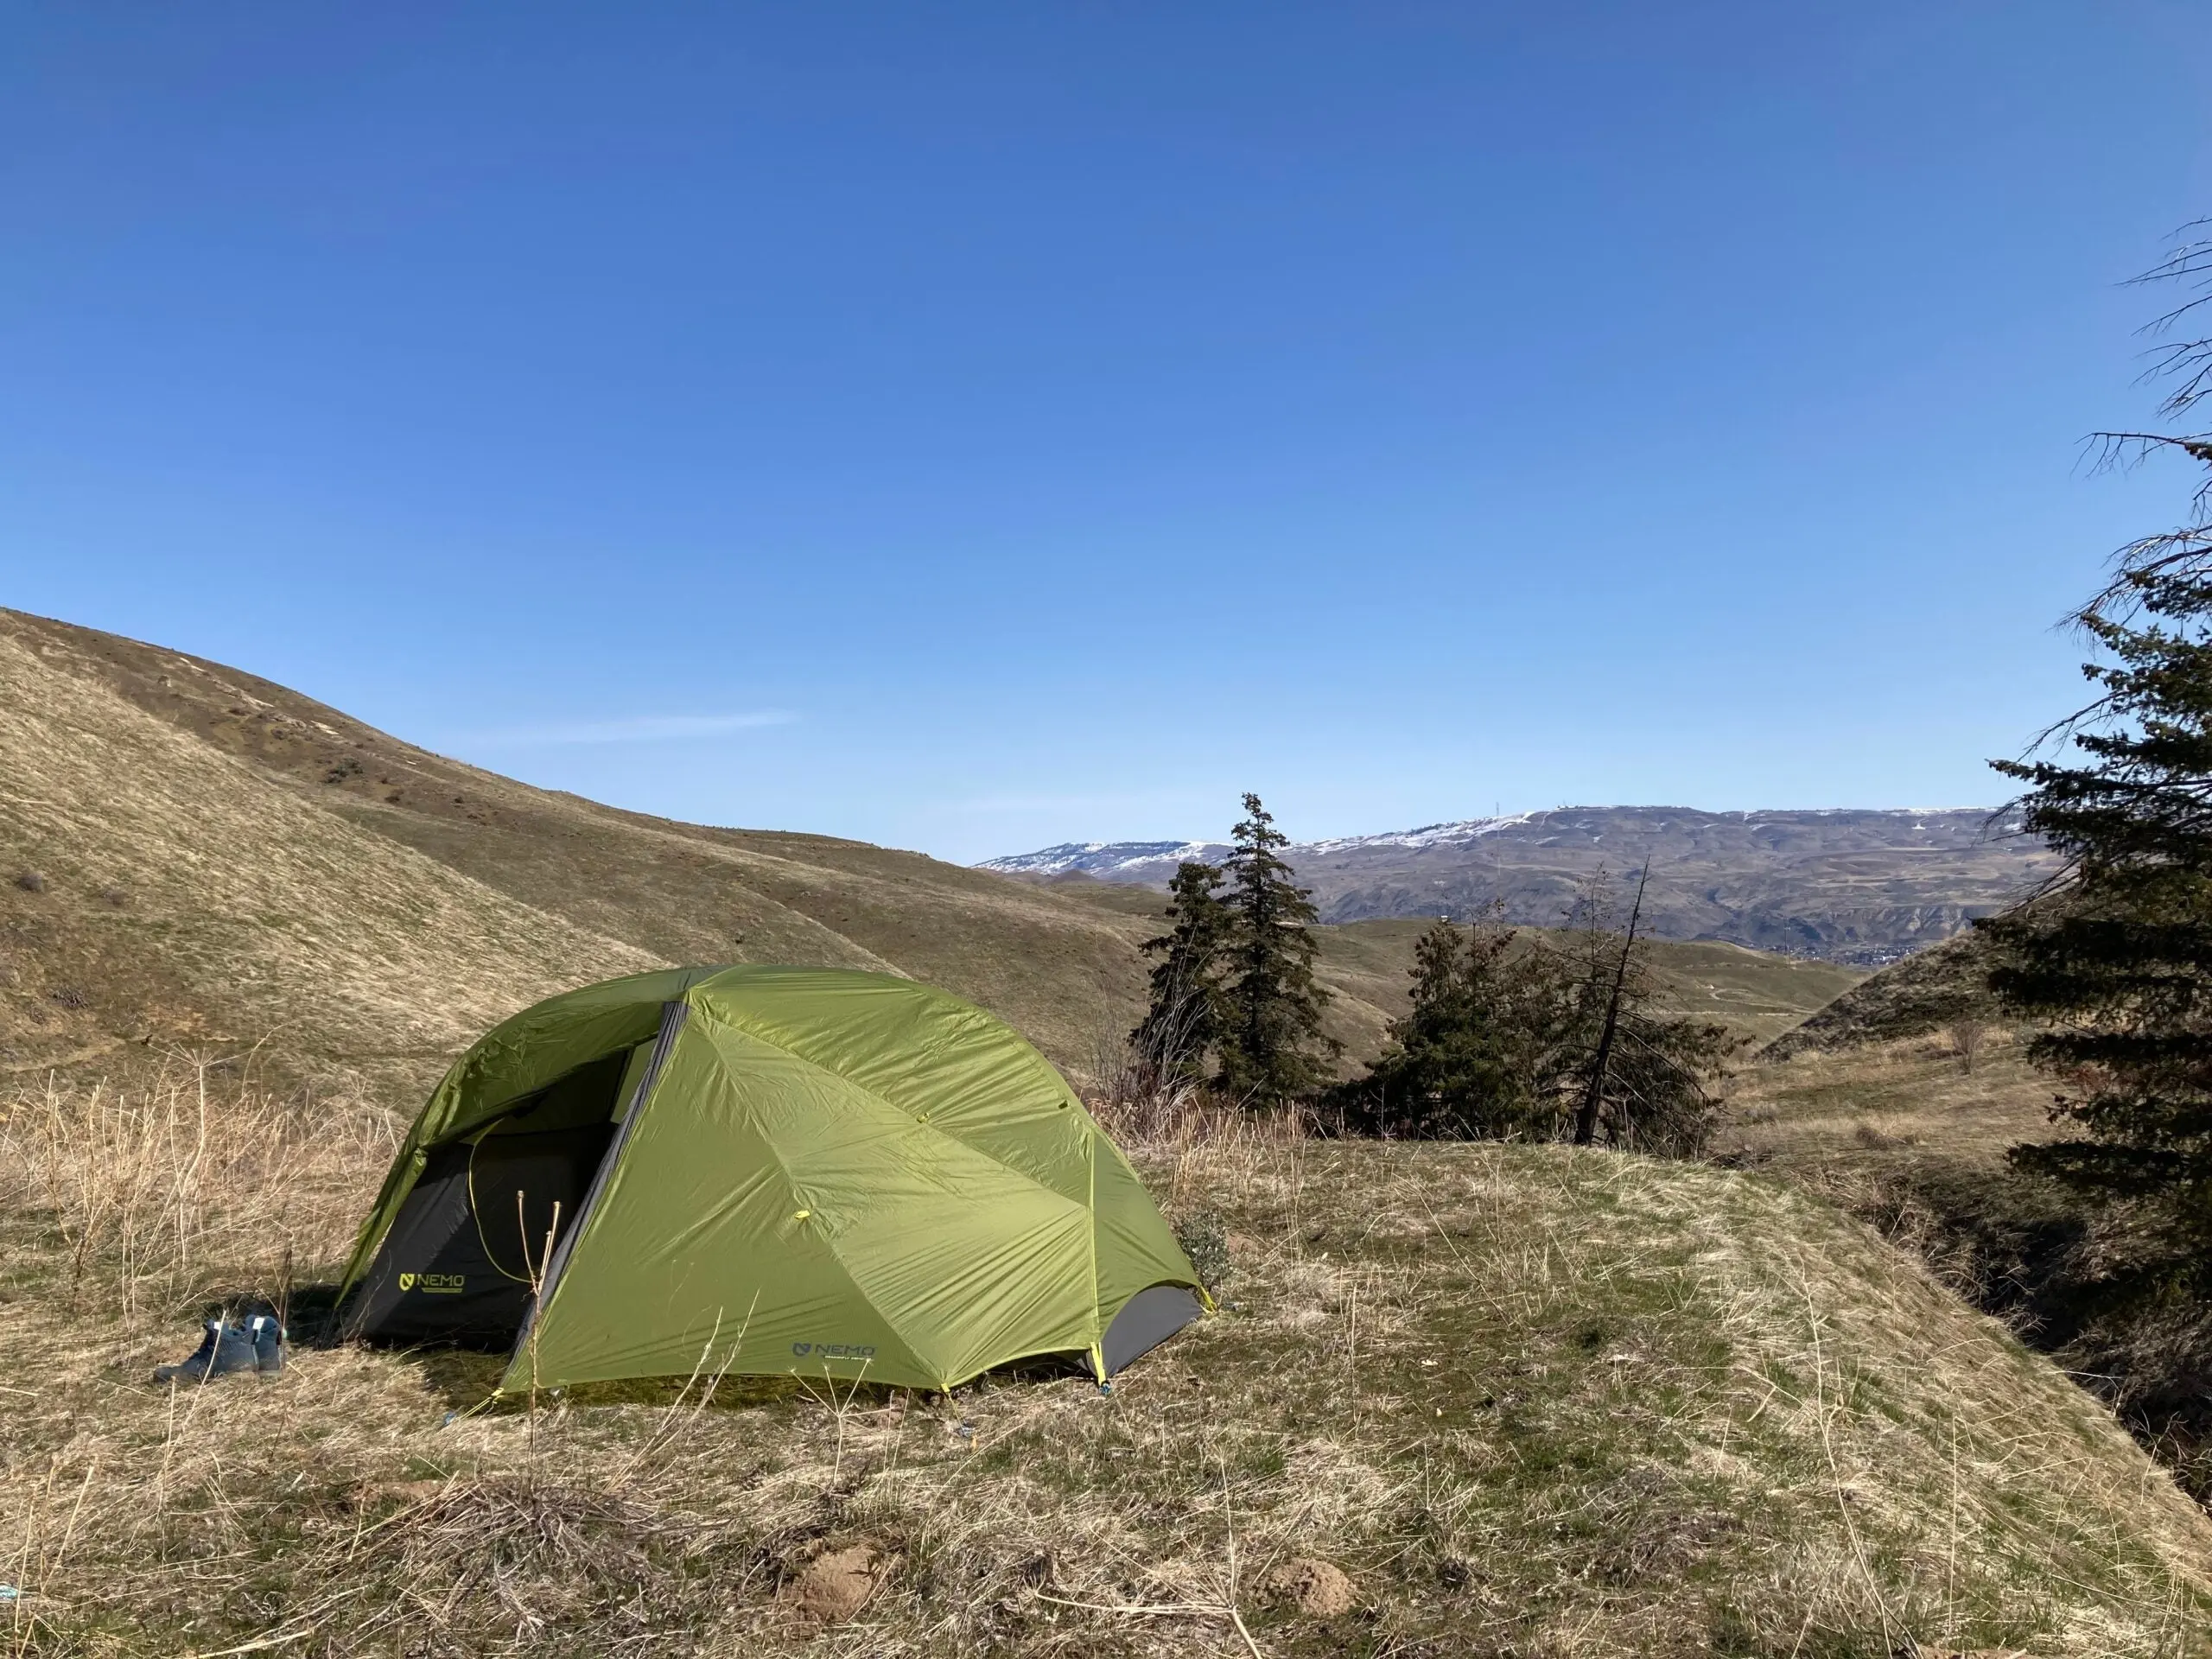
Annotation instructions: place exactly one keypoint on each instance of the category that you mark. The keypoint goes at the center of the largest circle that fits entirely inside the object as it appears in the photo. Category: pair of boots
(257, 1345)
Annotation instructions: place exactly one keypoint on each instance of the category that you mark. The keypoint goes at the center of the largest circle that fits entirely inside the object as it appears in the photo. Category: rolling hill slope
(169, 806)
(218, 858)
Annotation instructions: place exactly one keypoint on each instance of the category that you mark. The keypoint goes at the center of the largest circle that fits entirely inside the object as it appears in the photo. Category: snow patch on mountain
(1104, 858)
(1428, 834)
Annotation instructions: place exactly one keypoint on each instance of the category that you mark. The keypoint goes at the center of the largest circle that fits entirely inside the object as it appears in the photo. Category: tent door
(457, 1264)
(637, 1085)
(489, 1213)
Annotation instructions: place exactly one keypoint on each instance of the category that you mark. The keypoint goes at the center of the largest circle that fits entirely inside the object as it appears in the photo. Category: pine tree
(1502, 1038)
(1184, 1019)
(1271, 1047)
(1467, 1059)
(2118, 960)
(1650, 1080)
(2115, 961)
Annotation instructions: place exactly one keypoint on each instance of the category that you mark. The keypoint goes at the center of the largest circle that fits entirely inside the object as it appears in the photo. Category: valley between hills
(1522, 1400)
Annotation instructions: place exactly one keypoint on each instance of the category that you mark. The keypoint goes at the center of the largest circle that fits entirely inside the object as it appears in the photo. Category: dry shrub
(1182, 1118)
(1139, 1095)
(1968, 1032)
(1139, 1115)
(1201, 1144)
(1143, 1094)
(171, 1187)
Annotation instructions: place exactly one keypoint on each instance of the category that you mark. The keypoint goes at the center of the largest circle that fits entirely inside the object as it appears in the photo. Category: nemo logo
(834, 1349)
(435, 1284)
(407, 1281)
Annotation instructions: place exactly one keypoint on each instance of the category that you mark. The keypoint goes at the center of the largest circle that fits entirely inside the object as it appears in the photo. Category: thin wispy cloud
(1067, 803)
(640, 728)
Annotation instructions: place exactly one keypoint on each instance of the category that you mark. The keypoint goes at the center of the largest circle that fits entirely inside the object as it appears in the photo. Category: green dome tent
(770, 1170)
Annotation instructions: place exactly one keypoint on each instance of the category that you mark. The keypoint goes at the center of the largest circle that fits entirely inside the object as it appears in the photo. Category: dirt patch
(1315, 1587)
(835, 1585)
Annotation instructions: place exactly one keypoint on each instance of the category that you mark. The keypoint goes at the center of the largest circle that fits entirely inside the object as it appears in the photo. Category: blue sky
(978, 426)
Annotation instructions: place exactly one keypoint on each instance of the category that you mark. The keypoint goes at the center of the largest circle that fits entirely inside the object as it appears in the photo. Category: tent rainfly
(766, 1171)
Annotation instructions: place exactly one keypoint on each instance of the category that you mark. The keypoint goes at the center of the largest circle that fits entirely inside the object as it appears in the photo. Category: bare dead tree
(1585, 1119)
(2187, 363)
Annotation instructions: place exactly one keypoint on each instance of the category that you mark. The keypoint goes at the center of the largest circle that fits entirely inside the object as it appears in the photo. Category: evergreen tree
(2115, 961)
(1467, 1060)
(1271, 1047)
(1183, 1021)
(1502, 1035)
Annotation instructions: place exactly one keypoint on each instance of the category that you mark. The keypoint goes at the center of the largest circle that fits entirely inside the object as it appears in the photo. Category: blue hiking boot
(267, 1339)
(224, 1349)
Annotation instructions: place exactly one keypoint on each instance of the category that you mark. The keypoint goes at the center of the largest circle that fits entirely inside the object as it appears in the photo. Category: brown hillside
(158, 887)
(185, 815)
(98, 731)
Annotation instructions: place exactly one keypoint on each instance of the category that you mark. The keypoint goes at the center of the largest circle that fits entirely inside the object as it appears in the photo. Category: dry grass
(273, 915)
(163, 1195)
(1529, 1399)
(1864, 1126)
(1914, 1093)
(1911, 1135)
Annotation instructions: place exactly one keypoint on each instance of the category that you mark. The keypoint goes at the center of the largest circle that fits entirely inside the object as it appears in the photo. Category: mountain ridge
(1863, 886)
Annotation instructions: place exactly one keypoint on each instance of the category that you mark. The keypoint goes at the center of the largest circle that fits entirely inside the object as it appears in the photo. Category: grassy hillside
(1367, 966)
(1904, 1132)
(1911, 998)
(218, 859)
(1473, 1399)
(1757, 995)
(158, 883)
(1883, 1098)
(1876, 1082)
(156, 794)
